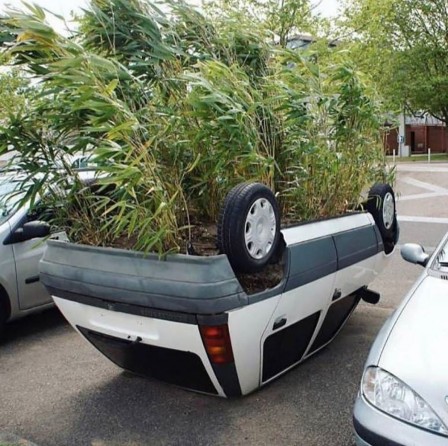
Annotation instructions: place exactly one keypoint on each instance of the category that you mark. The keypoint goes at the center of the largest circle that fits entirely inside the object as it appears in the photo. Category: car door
(307, 294)
(27, 255)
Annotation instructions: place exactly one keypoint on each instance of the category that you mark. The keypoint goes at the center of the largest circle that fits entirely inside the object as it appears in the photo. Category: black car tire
(249, 227)
(381, 204)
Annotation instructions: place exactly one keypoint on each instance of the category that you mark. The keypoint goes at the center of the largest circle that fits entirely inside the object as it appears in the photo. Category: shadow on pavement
(30, 326)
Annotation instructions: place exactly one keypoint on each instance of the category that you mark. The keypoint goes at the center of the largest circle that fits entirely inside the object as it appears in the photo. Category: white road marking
(421, 196)
(417, 219)
(421, 168)
(423, 185)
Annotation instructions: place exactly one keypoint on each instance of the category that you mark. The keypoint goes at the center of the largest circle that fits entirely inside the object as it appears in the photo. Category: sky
(60, 7)
(328, 8)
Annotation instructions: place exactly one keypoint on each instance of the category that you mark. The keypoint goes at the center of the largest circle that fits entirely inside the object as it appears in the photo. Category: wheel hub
(388, 210)
(260, 228)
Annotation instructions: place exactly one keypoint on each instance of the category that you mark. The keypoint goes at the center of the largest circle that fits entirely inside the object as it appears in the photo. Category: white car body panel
(246, 327)
(294, 307)
(347, 279)
(317, 229)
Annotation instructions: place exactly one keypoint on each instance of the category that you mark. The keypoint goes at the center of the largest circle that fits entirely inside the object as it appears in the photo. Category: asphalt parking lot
(55, 389)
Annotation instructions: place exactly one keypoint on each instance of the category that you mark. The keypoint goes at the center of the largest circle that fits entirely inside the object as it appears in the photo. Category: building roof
(424, 119)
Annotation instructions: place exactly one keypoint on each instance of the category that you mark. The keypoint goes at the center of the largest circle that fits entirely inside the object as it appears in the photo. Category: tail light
(217, 343)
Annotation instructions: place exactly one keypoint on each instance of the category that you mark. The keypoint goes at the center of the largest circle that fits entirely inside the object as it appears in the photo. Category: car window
(42, 211)
(9, 197)
(441, 260)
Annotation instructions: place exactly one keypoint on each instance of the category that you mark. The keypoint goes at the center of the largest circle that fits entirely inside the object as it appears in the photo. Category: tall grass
(177, 108)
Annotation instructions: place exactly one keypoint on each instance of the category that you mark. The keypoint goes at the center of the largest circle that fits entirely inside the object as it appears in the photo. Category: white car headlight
(390, 395)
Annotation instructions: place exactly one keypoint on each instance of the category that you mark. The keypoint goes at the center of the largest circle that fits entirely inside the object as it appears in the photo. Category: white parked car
(403, 398)
(21, 232)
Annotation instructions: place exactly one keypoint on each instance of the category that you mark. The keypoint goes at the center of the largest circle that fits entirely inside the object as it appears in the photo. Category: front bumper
(375, 428)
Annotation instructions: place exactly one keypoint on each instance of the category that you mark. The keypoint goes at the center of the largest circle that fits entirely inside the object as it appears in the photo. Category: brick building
(421, 133)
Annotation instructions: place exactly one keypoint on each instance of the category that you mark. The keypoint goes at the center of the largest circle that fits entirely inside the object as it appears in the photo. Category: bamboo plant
(176, 108)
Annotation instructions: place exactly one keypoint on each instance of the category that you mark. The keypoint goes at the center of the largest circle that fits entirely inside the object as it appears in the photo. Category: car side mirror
(413, 253)
(33, 229)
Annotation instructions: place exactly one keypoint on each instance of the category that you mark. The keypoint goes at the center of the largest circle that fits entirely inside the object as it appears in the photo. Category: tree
(404, 45)
(279, 17)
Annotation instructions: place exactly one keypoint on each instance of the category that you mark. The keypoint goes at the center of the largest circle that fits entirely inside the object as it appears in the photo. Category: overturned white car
(187, 320)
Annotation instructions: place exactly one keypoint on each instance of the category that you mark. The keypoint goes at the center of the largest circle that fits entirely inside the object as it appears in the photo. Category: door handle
(32, 279)
(337, 294)
(280, 322)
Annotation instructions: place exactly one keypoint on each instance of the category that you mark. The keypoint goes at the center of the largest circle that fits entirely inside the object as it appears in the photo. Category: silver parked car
(403, 398)
(21, 246)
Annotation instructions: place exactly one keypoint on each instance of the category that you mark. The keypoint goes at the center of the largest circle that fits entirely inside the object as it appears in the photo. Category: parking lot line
(418, 219)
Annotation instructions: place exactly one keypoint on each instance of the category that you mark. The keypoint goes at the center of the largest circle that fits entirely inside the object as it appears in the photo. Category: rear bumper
(177, 367)
(172, 351)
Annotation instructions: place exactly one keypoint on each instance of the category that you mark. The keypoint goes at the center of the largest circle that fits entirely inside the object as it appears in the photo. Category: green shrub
(177, 108)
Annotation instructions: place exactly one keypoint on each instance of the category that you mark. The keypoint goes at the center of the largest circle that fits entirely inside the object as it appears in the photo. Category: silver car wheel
(388, 210)
(260, 229)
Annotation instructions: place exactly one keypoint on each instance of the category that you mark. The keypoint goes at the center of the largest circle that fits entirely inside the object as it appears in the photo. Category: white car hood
(416, 350)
